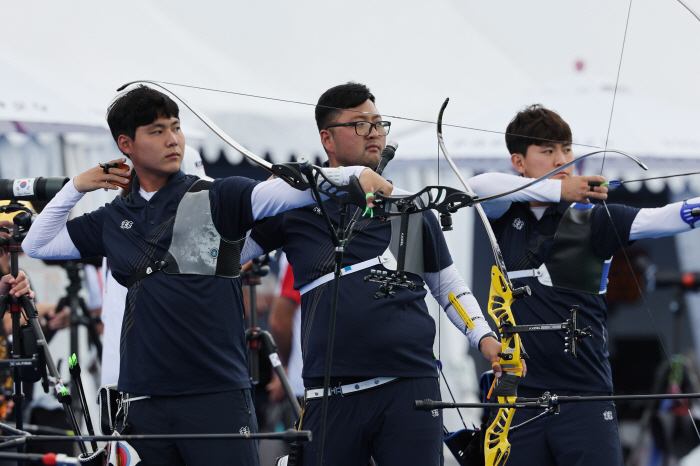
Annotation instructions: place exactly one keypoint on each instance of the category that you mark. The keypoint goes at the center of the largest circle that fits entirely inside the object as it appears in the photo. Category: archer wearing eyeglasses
(383, 357)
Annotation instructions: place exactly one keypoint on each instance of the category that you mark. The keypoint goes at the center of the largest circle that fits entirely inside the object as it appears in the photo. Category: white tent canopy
(28, 105)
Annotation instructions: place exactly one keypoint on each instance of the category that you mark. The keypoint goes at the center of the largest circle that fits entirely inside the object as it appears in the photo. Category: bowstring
(397, 117)
(440, 295)
(617, 81)
(439, 314)
(619, 239)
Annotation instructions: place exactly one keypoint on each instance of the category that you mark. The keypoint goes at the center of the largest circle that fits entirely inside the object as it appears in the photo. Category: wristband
(687, 213)
(490, 334)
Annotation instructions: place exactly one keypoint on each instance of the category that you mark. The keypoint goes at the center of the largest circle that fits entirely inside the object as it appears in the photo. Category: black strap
(146, 271)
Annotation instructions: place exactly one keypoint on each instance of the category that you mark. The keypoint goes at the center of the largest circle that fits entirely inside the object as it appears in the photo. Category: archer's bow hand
(373, 183)
(490, 348)
(578, 189)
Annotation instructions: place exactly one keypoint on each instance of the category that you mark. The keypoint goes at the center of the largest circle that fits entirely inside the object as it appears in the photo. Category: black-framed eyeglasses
(363, 128)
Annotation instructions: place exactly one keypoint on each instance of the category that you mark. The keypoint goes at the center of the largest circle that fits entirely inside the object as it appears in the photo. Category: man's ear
(125, 144)
(327, 140)
(517, 160)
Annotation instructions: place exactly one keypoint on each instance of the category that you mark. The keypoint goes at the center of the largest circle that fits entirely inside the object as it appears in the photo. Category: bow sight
(574, 335)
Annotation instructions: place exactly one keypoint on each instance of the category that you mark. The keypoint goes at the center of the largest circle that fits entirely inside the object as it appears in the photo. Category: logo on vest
(608, 416)
(245, 430)
(519, 224)
(126, 224)
(435, 413)
(317, 210)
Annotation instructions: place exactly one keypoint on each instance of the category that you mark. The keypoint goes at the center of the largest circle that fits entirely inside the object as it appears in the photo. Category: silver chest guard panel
(414, 249)
(197, 248)
(571, 263)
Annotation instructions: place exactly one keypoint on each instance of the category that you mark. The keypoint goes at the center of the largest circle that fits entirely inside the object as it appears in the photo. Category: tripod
(257, 338)
(669, 424)
(30, 354)
(79, 312)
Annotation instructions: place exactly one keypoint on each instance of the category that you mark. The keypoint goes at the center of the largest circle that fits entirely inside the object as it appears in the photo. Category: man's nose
(171, 140)
(559, 158)
(373, 133)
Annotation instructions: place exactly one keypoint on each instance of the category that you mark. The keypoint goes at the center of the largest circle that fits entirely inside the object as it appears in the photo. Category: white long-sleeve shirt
(649, 222)
(49, 239)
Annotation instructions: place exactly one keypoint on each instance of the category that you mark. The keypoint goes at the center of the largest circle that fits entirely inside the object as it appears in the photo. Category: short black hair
(140, 106)
(536, 125)
(331, 102)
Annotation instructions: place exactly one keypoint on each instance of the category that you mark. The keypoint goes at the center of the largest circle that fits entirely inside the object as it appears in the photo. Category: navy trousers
(379, 423)
(582, 434)
(225, 412)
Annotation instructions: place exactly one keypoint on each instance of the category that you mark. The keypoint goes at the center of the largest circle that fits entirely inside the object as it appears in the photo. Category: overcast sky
(411, 53)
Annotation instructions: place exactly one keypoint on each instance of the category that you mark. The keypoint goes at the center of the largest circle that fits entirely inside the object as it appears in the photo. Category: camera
(31, 189)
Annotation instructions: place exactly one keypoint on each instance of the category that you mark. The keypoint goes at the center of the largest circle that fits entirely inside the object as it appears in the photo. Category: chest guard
(414, 247)
(571, 263)
(197, 247)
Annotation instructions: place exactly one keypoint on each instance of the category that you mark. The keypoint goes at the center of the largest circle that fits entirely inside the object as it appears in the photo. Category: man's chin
(372, 160)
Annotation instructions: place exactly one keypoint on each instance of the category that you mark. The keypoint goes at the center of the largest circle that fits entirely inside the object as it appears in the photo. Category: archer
(560, 245)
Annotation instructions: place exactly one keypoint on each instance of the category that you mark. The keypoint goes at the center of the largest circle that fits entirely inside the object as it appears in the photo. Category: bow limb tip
(442, 110)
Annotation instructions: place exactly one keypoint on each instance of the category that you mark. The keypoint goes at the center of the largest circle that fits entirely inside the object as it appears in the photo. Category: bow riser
(496, 445)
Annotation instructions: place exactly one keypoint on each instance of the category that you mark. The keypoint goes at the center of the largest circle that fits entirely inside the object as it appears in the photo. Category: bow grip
(507, 385)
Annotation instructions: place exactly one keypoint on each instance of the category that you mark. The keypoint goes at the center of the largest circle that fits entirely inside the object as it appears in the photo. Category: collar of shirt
(169, 185)
(557, 208)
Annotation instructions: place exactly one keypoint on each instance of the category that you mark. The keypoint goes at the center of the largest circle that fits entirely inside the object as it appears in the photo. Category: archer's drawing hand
(96, 178)
(576, 189)
(373, 183)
